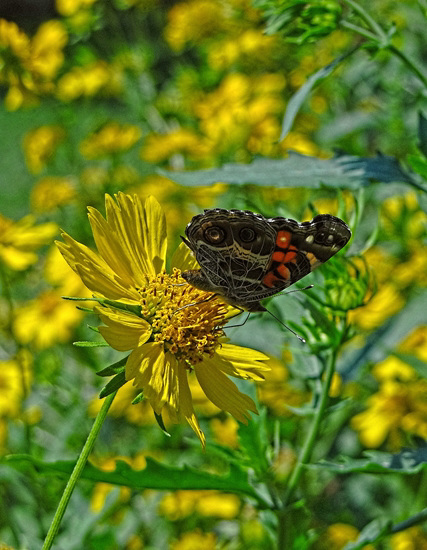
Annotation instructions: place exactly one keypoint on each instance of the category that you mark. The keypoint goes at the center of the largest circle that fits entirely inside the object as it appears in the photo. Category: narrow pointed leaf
(114, 368)
(113, 385)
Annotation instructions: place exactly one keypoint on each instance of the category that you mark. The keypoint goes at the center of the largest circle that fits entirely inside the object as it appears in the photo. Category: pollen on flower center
(186, 319)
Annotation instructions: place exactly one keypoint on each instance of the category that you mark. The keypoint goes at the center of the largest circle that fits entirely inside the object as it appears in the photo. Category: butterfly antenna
(286, 326)
(298, 289)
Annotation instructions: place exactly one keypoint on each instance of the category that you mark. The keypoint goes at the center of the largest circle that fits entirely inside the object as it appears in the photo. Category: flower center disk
(186, 319)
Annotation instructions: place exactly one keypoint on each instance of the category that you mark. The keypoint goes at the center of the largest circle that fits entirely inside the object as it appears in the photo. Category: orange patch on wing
(269, 279)
(284, 272)
(283, 239)
(278, 256)
(290, 256)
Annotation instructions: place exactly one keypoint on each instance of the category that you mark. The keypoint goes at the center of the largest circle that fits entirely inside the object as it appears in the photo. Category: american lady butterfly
(245, 257)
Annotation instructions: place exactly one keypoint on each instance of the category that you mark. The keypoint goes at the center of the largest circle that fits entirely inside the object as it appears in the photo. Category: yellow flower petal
(241, 362)
(110, 247)
(222, 391)
(184, 259)
(156, 236)
(185, 401)
(140, 363)
(124, 331)
(126, 220)
(94, 271)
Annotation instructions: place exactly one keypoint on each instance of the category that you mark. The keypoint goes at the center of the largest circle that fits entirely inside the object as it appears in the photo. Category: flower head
(172, 329)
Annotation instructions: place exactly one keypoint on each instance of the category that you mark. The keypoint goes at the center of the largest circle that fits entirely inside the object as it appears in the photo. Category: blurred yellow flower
(243, 112)
(225, 432)
(52, 192)
(195, 540)
(181, 504)
(250, 45)
(11, 37)
(386, 302)
(110, 139)
(413, 538)
(101, 490)
(39, 146)
(416, 343)
(16, 376)
(46, 55)
(87, 81)
(276, 393)
(398, 408)
(159, 147)
(181, 28)
(337, 536)
(172, 328)
(19, 241)
(29, 65)
(71, 7)
(46, 320)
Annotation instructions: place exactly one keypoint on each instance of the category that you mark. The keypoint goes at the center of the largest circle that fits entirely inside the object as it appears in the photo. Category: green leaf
(161, 424)
(154, 476)
(342, 171)
(296, 101)
(138, 399)
(253, 440)
(87, 344)
(408, 462)
(114, 368)
(371, 533)
(113, 385)
(422, 133)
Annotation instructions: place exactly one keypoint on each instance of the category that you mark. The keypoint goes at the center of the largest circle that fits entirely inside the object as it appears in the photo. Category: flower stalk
(76, 473)
(305, 454)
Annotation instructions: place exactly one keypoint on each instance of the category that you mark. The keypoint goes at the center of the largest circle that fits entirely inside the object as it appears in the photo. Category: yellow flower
(68, 8)
(276, 393)
(15, 380)
(85, 81)
(46, 320)
(225, 432)
(337, 536)
(40, 145)
(51, 192)
(11, 37)
(172, 329)
(397, 408)
(181, 504)
(181, 27)
(386, 302)
(101, 490)
(111, 138)
(195, 540)
(416, 343)
(413, 538)
(19, 240)
(46, 49)
(159, 147)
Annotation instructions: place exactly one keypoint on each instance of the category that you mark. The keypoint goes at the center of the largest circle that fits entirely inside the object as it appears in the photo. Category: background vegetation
(107, 96)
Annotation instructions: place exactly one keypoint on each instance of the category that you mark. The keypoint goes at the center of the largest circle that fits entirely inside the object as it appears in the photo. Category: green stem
(367, 18)
(410, 63)
(381, 37)
(76, 473)
(305, 454)
(307, 449)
